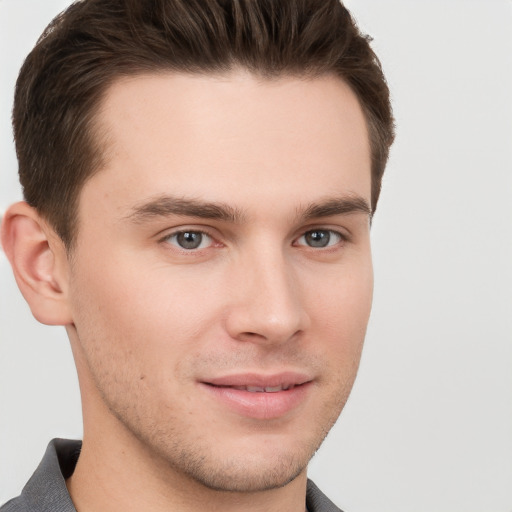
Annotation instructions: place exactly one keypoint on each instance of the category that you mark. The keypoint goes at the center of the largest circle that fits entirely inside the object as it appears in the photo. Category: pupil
(317, 238)
(189, 239)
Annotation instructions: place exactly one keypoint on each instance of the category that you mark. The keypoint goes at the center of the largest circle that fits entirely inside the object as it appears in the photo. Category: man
(199, 179)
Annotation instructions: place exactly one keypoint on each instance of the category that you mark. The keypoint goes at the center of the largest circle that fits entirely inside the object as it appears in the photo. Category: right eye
(189, 240)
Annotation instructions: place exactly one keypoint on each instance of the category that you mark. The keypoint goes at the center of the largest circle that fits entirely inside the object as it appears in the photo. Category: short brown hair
(94, 42)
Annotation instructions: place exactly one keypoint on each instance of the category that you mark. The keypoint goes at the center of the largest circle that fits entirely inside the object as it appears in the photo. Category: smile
(260, 389)
(259, 397)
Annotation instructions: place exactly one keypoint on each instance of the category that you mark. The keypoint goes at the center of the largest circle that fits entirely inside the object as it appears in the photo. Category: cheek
(152, 317)
(340, 313)
(343, 294)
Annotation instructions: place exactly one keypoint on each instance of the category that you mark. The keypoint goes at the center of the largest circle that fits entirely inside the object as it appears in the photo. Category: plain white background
(429, 424)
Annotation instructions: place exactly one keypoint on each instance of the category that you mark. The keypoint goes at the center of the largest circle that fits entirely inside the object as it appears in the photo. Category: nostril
(270, 319)
(251, 336)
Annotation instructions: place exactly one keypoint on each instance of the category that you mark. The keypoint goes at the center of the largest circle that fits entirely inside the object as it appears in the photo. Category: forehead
(232, 135)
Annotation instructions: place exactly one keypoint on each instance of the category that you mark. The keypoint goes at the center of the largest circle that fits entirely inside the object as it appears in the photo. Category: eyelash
(340, 238)
(176, 234)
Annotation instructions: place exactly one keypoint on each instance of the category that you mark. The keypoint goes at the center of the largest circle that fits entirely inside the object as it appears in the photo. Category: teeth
(266, 389)
(273, 389)
(255, 389)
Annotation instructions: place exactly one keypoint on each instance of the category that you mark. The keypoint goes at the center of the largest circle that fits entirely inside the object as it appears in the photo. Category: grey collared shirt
(46, 490)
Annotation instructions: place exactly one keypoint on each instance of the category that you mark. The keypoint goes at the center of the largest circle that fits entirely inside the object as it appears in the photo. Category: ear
(39, 262)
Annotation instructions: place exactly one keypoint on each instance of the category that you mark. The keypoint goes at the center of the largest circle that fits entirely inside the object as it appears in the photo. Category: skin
(151, 322)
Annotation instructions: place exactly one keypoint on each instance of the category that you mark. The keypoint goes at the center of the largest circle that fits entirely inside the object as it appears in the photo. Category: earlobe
(39, 263)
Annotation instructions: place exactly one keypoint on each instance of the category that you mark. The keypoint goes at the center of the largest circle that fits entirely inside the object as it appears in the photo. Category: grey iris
(317, 238)
(189, 239)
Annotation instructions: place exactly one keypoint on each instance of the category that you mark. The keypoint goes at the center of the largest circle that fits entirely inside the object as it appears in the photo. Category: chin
(246, 476)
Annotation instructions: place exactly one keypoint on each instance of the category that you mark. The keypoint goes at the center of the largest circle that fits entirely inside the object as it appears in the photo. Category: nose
(266, 304)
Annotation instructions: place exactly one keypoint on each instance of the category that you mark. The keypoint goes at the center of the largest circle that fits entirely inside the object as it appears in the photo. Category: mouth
(259, 389)
(260, 397)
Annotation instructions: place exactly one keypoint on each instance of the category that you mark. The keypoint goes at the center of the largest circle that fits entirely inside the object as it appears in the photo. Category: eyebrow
(344, 205)
(165, 206)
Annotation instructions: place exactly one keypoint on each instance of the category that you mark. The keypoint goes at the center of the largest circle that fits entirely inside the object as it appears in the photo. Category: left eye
(190, 240)
(320, 238)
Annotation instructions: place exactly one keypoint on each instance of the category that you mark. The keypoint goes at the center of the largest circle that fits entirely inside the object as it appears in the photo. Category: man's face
(221, 282)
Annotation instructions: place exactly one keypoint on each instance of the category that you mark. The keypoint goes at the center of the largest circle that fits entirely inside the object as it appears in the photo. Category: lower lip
(260, 405)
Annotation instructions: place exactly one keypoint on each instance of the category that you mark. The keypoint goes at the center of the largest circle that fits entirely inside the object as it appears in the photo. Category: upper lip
(283, 379)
